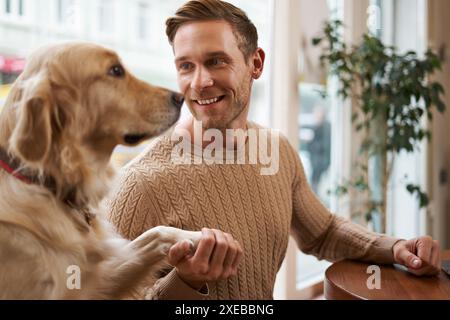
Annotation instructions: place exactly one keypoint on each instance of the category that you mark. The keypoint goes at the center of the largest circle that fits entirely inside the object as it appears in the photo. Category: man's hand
(216, 258)
(422, 256)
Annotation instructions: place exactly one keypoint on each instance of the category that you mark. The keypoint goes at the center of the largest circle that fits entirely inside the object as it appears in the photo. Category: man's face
(212, 73)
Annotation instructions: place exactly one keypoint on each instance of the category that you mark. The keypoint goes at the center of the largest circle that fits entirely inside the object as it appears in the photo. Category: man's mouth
(209, 102)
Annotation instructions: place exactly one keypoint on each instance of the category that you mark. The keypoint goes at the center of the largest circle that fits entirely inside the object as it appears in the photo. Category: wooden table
(347, 280)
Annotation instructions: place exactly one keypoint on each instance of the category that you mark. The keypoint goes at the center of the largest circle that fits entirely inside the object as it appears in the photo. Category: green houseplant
(391, 93)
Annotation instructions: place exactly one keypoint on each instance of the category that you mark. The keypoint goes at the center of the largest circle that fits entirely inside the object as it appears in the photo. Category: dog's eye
(117, 71)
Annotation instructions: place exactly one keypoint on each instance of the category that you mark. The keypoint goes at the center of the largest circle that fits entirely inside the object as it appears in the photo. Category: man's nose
(202, 80)
(177, 99)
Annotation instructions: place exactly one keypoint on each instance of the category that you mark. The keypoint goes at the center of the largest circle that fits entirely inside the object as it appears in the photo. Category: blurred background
(288, 97)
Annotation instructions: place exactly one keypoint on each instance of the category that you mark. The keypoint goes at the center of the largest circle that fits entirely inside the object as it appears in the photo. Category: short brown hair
(209, 10)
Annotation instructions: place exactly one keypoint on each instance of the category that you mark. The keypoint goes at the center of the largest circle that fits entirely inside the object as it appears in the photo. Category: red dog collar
(11, 166)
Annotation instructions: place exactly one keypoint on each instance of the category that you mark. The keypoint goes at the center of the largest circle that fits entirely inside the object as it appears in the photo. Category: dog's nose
(177, 100)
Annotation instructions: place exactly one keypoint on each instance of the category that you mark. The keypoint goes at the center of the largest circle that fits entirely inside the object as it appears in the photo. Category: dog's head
(73, 104)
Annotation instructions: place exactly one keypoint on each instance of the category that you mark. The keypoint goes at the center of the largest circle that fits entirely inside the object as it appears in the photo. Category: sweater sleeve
(328, 236)
(132, 211)
(172, 287)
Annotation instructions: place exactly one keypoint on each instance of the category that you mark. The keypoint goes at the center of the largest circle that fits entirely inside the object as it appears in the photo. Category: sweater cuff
(172, 287)
(381, 250)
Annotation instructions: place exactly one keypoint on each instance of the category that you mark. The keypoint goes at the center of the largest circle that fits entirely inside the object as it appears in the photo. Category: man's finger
(238, 257)
(231, 254)
(424, 247)
(409, 259)
(219, 254)
(436, 255)
(204, 250)
(425, 270)
(179, 251)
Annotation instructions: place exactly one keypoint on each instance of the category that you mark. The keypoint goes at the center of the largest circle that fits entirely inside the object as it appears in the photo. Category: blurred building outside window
(15, 11)
(14, 8)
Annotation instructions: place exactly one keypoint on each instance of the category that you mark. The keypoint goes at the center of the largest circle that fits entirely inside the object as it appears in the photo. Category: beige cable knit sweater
(259, 211)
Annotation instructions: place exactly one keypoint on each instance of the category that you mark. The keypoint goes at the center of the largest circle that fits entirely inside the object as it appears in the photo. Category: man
(217, 60)
(319, 147)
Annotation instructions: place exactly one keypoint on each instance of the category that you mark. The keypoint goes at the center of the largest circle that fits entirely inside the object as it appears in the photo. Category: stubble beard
(225, 121)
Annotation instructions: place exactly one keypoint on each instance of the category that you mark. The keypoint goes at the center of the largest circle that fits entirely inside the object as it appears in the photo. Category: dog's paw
(173, 235)
(165, 248)
(194, 238)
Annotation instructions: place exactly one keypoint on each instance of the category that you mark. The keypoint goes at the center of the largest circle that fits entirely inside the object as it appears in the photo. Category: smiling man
(219, 92)
(217, 59)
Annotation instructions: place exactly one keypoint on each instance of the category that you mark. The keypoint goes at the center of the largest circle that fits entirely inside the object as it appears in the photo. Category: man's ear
(31, 138)
(259, 58)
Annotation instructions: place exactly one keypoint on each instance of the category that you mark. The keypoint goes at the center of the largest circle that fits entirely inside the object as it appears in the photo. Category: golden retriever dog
(65, 114)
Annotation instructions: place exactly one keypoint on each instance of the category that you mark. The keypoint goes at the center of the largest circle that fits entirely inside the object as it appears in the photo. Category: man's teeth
(206, 102)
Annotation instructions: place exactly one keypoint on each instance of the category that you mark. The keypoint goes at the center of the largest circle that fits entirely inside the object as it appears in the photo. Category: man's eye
(185, 66)
(217, 62)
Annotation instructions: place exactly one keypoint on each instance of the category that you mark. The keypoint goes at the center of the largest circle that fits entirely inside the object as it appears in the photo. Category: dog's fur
(62, 119)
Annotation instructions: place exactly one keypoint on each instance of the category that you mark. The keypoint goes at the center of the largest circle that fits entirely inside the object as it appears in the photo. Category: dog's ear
(32, 135)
